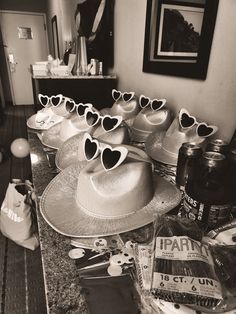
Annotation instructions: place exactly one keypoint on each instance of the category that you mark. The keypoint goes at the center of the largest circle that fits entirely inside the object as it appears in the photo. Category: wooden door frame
(5, 47)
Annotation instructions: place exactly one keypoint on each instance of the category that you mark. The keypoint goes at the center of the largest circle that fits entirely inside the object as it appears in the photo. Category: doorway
(25, 41)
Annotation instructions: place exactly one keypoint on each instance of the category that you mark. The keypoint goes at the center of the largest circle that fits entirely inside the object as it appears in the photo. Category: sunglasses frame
(151, 101)
(102, 118)
(71, 101)
(49, 98)
(101, 149)
(122, 95)
(87, 105)
(213, 127)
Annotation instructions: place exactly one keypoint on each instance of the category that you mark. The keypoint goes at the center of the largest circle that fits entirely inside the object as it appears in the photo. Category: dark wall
(24, 5)
(3, 72)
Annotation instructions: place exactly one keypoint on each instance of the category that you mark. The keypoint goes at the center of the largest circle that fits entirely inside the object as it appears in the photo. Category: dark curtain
(102, 47)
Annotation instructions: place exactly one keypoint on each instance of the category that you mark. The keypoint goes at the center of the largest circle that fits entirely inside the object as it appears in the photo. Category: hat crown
(115, 193)
(73, 126)
(127, 110)
(118, 136)
(148, 121)
(184, 128)
(62, 109)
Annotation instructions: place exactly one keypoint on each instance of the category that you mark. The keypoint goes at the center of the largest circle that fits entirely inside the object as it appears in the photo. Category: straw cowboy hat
(152, 117)
(115, 192)
(164, 146)
(46, 117)
(75, 123)
(125, 105)
(110, 129)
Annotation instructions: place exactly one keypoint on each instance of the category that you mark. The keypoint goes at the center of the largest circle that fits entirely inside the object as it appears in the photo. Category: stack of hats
(154, 116)
(74, 123)
(49, 115)
(107, 181)
(106, 128)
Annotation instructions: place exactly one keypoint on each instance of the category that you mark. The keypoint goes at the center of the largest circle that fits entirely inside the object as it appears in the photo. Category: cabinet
(93, 89)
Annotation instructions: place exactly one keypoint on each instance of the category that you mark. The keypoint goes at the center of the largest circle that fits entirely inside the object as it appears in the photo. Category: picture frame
(55, 39)
(178, 37)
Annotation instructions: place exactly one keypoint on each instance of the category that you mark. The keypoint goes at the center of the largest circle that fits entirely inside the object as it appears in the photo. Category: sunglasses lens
(110, 158)
(55, 100)
(90, 149)
(92, 118)
(204, 130)
(43, 100)
(70, 105)
(116, 95)
(127, 96)
(144, 101)
(109, 124)
(81, 110)
(156, 104)
(186, 120)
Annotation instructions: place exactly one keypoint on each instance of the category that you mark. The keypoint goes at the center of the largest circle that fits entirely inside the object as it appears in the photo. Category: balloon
(20, 148)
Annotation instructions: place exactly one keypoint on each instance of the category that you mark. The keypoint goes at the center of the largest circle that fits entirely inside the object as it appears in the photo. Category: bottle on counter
(206, 196)
(188, 160)
(100, 68)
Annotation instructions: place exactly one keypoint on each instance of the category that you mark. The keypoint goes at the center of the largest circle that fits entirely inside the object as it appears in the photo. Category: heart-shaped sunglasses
(187, 121)
(52, 100)
(204, 130)
(108, 123)
(155, 104)
(111, 157)
(126, 96)
(79, 108)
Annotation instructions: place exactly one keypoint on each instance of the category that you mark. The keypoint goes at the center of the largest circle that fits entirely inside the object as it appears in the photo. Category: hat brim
(59, 208)
(51, 137)
(67, 154)
(31, 123)
(155, 150)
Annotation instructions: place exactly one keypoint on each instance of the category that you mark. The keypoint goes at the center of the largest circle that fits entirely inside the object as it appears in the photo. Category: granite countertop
(61, 277)
(74, 77)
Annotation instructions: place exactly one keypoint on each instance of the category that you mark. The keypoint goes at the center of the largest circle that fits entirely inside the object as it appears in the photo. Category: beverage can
(205, 198)
(218, 146)
(188, 158)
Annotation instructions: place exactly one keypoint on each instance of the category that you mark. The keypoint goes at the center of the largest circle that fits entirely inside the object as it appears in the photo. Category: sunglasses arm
(138, 154)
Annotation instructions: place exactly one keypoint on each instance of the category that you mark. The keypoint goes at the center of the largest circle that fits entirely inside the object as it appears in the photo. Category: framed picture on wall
(178, 37)
(55, 39)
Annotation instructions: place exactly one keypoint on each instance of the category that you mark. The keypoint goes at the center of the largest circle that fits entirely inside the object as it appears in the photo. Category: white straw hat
(89, 201)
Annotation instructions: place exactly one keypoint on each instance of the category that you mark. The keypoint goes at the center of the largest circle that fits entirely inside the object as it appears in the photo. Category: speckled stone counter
(63, 293)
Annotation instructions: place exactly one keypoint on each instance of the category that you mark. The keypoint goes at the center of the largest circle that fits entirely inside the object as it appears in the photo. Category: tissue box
(40, 69)
(61, 70)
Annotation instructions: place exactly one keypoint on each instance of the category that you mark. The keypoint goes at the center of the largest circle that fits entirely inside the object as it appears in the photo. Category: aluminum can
(188, 158)
(206, 196)
(218, 146)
